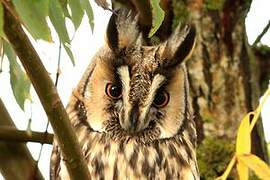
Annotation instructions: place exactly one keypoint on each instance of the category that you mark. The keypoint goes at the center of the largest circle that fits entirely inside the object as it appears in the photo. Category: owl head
(135, 91)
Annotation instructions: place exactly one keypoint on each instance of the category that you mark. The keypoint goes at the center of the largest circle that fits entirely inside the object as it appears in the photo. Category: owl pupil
(161, 99)
(113, 91)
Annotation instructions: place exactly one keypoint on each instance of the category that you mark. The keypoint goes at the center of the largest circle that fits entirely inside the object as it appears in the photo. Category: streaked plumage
(131, 110)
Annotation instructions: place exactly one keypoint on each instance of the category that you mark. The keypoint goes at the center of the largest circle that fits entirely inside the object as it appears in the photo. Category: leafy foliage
(89, 11)
(158, 16)
(20, 83)
(243, 158)
(76, 12)
(33, 13)
(57, 17)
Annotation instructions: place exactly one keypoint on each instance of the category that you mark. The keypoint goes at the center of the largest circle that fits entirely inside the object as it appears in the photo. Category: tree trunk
(224, 76)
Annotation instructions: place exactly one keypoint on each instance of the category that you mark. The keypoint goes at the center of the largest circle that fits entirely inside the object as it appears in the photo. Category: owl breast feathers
(131, 111)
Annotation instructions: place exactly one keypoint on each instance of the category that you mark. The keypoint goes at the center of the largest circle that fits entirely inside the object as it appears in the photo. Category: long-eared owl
(131, 110)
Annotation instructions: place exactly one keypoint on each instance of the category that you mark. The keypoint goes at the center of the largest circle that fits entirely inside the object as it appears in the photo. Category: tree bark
(224, 77)
(224, 73)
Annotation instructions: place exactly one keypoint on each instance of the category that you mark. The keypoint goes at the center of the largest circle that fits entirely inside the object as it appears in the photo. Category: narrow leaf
(243, 141)
(64, 7)
(70, 54)
(242, 171)
(33, 14)
(158, 17)
(20, 83)
(259, 108)
(1, 20)
(57, 18)
(261, 169)
(89, 11)
(76, 12)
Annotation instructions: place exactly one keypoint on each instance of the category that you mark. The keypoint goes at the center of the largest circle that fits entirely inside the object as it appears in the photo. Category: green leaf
(89, 11)
(57, 18)
(76, 12)
(64, 7)
(1, 20)
(33, 14)
(20, 83)
(158, 17)
(70, 54)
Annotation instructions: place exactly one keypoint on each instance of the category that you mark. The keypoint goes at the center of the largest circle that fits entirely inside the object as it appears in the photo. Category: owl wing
(55, 162)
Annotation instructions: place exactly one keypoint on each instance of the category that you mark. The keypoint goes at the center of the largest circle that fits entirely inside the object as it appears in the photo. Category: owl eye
(161, 100)
(113, 91)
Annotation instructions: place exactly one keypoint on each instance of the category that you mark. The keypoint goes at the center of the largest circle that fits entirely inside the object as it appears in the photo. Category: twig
(13, 134)
(55, 84)
(258, 39)
(58, 71)
(49, 98)
(1, 58)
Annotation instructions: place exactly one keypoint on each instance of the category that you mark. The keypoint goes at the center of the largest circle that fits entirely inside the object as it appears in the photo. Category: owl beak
(133, 118)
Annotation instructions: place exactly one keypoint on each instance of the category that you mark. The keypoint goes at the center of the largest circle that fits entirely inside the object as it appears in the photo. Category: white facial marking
(125, 80)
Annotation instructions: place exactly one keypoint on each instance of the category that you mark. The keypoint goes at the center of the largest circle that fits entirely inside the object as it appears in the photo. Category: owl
(131, 110)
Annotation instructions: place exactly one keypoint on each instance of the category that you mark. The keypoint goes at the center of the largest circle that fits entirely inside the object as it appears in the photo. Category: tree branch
(16, 160)
(49, 98)
(258, 39)
(13, 134)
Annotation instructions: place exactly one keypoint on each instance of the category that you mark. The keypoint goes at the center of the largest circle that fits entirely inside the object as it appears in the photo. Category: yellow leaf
(261, 169)
(259, 108)
(242, 170)
(243, 141)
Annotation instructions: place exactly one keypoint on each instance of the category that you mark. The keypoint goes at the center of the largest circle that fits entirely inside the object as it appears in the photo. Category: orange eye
(161, 100)
(113, 91)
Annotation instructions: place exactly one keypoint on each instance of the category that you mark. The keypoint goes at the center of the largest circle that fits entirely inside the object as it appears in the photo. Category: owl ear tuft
(179, 45)
(122, 30)
(112, 33)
